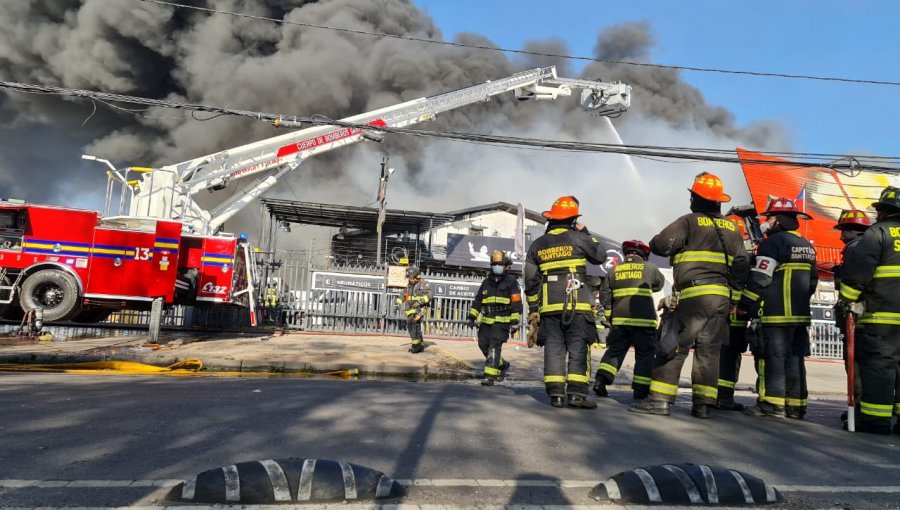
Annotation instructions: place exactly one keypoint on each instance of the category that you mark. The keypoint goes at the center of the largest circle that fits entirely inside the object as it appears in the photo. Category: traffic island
(287, 480)
(685, 484)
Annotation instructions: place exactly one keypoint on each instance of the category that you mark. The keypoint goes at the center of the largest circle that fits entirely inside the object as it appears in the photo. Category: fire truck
(158, 242)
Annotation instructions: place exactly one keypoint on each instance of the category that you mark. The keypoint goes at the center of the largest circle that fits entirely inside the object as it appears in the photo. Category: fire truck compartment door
(216, 270)
(108, 263)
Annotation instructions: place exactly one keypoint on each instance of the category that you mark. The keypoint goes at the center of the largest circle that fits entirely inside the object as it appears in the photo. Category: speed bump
(685, 484)
(286, 480)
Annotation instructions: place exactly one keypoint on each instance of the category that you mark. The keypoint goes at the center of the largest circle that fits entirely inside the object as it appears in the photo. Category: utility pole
(382, 196)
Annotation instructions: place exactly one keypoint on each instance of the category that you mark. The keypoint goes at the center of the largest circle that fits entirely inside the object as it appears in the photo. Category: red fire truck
(75, 265)
(163, 244)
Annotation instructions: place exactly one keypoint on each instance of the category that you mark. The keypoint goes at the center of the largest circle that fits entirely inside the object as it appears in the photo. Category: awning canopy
(353, 217)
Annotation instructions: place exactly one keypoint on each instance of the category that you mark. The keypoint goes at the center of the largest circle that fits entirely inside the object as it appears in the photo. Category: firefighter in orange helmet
(783, 279)
(496, 311)
(560, 299)
(709, 264)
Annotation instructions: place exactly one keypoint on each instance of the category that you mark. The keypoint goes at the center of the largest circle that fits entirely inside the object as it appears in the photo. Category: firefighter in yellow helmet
(416, 301)
(556, 290)
(709, 264)
(870, 276)
(496, 310)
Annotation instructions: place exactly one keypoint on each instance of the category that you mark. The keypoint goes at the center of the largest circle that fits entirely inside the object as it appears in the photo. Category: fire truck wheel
(91, 315)
(55, 291)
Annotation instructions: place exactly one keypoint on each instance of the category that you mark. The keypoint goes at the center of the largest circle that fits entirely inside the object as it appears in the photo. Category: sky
(828, 38)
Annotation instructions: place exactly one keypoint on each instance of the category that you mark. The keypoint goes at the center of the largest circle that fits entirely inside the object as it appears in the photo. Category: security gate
(356, 299)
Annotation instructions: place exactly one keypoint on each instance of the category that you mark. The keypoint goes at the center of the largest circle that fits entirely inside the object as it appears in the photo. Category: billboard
(475, 251)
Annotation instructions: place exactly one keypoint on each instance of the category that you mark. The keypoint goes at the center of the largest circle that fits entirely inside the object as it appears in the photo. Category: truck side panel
(166, 254)
(216, 269)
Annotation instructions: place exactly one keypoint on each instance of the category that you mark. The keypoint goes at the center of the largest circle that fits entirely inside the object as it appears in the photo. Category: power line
(847, 163)
(526, 52)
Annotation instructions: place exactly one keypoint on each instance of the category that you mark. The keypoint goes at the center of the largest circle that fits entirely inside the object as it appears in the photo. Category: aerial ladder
(169, 192)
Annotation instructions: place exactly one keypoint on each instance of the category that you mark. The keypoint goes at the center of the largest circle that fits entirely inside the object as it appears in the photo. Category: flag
(520, 231)
(800, 201)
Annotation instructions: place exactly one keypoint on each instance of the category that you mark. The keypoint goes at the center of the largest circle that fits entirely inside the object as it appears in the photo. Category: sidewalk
(374, 356)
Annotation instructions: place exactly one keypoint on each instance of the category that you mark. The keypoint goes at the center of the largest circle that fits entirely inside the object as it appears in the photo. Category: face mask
(497, 270)
(765, 227)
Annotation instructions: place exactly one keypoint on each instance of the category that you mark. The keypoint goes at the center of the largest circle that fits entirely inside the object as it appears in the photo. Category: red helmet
(710, 187)
(640, 247)
(784, 206)
(564, 208)
(851, 219)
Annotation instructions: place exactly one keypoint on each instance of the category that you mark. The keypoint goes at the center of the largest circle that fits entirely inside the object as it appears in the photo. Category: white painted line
(427, 482)
(875, 489)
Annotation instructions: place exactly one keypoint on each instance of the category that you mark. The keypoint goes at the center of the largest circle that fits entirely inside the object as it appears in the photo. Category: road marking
(357, 506)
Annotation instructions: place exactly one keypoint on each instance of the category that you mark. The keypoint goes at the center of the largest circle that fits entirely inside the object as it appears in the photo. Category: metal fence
(825, 340)
(308, 305)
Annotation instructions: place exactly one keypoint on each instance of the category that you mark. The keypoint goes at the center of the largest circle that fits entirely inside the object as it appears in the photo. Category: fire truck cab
(74, 265)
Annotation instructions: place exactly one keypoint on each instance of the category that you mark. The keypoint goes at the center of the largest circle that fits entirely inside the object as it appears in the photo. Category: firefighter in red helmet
(782, 281)
(709, 265)
(560, 300)
(852, 224)
(496, 311)
(628, 292)
(870, 275)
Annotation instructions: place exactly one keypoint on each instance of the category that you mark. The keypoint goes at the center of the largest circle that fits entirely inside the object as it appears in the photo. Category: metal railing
(825, 340)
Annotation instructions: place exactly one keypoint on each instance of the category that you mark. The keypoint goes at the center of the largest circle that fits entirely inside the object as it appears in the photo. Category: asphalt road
(105, 441)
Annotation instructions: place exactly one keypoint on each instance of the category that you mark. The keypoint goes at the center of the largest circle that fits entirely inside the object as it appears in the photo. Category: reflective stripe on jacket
(628, 292)
(783, 279)
(871, 273)
(556, 261)
(700, 266)
(498, 301)
(418, 295)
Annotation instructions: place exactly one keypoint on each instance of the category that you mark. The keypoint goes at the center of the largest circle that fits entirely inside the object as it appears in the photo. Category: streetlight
(386, 173)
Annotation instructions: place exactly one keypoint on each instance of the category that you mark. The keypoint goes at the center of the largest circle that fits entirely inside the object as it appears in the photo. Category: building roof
(499, 206)
(352, 217)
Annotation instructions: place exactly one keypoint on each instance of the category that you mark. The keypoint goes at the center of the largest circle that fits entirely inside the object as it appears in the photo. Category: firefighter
(870, 275)
(496, 311)
(710, 263)
(782, 281)
(852, 224)
(271, 301)
(732, 354)
(730, 359)
(560, 302)
(628, 293)
(415, 301)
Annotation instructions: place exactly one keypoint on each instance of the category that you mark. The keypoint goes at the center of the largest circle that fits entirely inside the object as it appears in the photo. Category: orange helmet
(851, 219)
(564, 208)
(784, 206)
(710, 187)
